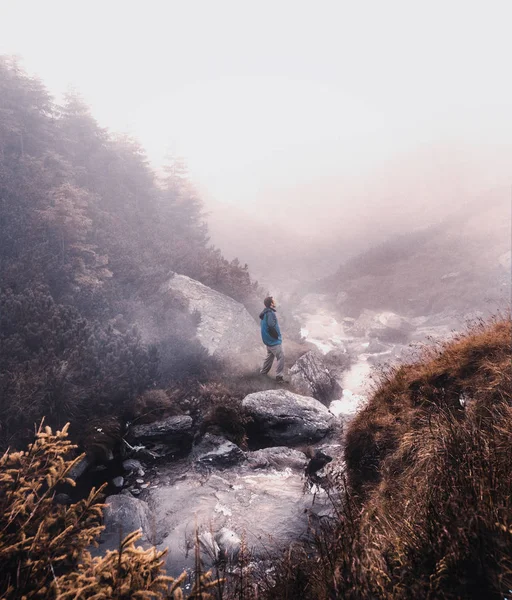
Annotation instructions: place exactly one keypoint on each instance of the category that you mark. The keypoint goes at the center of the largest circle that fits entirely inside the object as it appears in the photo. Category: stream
(322, 329)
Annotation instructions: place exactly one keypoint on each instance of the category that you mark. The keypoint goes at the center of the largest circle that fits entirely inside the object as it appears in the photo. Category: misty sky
(317, 104)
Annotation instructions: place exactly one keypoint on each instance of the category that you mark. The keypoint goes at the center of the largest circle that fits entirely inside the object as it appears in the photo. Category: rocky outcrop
(215, 451)
(310, 376)
(226, 330)
(168, 436)
(281, 418)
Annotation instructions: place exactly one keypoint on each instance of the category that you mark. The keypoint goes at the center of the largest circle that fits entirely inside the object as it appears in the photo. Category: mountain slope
(461, 264)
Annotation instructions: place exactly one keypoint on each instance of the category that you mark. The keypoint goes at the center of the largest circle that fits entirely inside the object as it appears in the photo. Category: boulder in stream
(122, 515)
(215, 451)
(392, 328)
(311, 377)
(282, 418)
(277, 457)
(168, 436)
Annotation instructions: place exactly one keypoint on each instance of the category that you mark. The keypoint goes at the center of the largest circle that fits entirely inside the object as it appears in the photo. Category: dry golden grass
(426, 510)
(44, 545)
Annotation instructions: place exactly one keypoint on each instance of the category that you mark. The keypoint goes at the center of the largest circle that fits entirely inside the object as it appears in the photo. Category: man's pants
(277, 352)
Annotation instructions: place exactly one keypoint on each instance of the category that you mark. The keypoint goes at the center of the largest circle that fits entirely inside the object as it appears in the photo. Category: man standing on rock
(271, 336)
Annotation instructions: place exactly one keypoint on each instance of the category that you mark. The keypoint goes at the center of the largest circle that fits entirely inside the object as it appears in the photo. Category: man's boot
(281, 379)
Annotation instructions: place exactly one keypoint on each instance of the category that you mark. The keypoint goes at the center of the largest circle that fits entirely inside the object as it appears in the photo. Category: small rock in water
(118, 481)
(229, 542)
(144, 486)
(139, 480)
(135, 491)
(132, 464)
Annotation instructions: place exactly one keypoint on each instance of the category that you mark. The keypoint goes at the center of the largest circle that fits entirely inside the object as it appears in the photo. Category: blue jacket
(270, 332)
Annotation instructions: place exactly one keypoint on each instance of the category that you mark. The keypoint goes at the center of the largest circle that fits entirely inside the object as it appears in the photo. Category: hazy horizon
(349, 118)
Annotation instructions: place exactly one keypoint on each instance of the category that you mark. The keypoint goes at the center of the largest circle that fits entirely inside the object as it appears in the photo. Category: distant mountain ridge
(458, 265)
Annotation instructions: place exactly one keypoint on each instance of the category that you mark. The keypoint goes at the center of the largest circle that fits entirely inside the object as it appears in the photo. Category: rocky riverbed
(184, 489)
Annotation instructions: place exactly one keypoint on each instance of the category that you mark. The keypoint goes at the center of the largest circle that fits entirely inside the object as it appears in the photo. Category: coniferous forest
(88, 232)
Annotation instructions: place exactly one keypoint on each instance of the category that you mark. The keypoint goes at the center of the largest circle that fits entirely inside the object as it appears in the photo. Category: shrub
(152, 405)
(44, 545)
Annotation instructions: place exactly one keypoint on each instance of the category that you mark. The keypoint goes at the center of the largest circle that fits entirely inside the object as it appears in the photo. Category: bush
(44, 545)
(54, 362)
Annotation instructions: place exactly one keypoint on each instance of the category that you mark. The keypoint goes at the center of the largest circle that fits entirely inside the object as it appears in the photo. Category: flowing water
(322, 329)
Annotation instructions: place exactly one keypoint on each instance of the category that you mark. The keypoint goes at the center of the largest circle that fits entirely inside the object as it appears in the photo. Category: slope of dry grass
(426, 508)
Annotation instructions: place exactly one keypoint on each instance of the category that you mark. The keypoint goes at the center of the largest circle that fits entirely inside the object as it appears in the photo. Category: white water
(324, 331)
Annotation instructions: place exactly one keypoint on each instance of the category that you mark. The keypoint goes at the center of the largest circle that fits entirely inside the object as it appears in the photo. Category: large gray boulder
(226, 330)
(281, 418)
(169, 436)
(311, 377)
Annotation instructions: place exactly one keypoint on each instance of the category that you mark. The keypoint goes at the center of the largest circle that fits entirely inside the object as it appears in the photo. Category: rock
(269, 509)
(79, 468)
(209, 546)
(229, 543)
(387, 326)
(170, 435)
(390, 327)
(226, 330)
(278, 457)
(310, 377)
(215, 451)
(281, 418)
(118, 481)
(132, 464)
(363, 323)
(122, 515)
(317, 462)
(375, 347)
(62, 498)
(337, 361)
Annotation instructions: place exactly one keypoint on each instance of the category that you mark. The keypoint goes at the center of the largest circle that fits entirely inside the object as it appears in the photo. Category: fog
(303, 128)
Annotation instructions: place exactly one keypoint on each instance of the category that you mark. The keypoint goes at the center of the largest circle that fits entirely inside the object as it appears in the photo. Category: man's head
(269, 302)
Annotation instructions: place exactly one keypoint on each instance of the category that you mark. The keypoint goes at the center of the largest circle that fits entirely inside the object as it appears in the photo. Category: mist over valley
(255, 291)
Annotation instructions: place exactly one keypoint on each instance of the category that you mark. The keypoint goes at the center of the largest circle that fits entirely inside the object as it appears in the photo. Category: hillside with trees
(87, 234)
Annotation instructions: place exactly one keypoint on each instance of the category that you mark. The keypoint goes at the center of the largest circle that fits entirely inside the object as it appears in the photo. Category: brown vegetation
(44, 545)
(426, 510)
